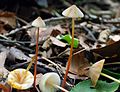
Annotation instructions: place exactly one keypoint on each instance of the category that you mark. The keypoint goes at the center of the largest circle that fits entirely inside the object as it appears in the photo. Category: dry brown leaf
(82, 41)
(3, 70)
(45, 33)
(8, 18)
(2, 30)
(109, 50)
(55, 41)
(95, 70)
(79, 64)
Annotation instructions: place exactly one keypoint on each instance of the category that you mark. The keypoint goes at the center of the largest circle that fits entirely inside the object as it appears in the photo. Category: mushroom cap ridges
(48, 79)
(73, 12)
(38, 22)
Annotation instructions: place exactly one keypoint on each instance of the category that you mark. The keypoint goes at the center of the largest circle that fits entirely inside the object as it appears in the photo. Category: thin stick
(36, 58)
(112, 78)
(70, 56)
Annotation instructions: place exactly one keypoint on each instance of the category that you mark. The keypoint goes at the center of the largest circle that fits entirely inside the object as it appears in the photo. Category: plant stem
(70, 56)
(56, 86)
(110, 77)
(36, 58)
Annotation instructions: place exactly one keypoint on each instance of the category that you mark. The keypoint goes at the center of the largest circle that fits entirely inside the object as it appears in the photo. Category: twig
(17, 44)
(25, 22)
(17, 30)
(90, 33)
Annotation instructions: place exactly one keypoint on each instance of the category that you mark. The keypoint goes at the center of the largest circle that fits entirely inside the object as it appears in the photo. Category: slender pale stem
(36, 58)
(70, 56)
(110, 77)
(113, 63)
(57, 86)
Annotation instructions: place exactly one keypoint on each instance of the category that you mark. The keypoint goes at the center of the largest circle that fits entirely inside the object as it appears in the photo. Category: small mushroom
(95, 72)
(20, 79)
(38, 23)
(72, 12)
(50, 82)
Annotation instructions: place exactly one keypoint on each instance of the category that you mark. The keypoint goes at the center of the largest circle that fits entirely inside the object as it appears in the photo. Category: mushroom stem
(110, 77)
(58, 87)
(36, 57)
(70, 56)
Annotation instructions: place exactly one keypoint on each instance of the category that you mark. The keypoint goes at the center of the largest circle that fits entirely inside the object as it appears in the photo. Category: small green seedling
(72, 12)
(38, 23)
(68, 39)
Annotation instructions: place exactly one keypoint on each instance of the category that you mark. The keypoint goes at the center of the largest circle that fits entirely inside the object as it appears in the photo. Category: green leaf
(84, 86)
(68, 39)
(102, 86)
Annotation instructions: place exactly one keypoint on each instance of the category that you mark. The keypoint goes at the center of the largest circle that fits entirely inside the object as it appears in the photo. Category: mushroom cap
(73, 12)
(15, 77)
(95, 70)
(38, 23)
(52, 78)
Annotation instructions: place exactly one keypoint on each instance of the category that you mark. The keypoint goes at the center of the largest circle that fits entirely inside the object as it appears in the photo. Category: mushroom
(72, 12)
(50, 82)
(95, 72)
(38, 23)
(20, 79)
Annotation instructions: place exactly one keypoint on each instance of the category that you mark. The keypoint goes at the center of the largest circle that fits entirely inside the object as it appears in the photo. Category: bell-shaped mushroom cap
(47, 80)
(73, 12)
(38, 23)
(95, 70)
(20, 79)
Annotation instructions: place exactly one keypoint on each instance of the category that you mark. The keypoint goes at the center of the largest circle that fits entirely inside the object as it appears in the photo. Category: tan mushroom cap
(48, 79)
(20, 79)
(73, 12)
(95, 70)
(38, 23)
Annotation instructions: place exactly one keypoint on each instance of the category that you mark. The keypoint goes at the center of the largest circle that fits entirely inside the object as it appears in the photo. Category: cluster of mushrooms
(22, 79)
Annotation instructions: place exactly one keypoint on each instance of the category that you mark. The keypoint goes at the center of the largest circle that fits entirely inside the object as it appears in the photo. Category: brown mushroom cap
(73, 12)
(95, 70)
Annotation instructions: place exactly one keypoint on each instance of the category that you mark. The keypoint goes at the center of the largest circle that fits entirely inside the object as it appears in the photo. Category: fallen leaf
(3, 70)
(18, 54)
(109, 50)
(45, 33)
(55, 41)
(2, 30)
(79, 64)
(8, 18)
